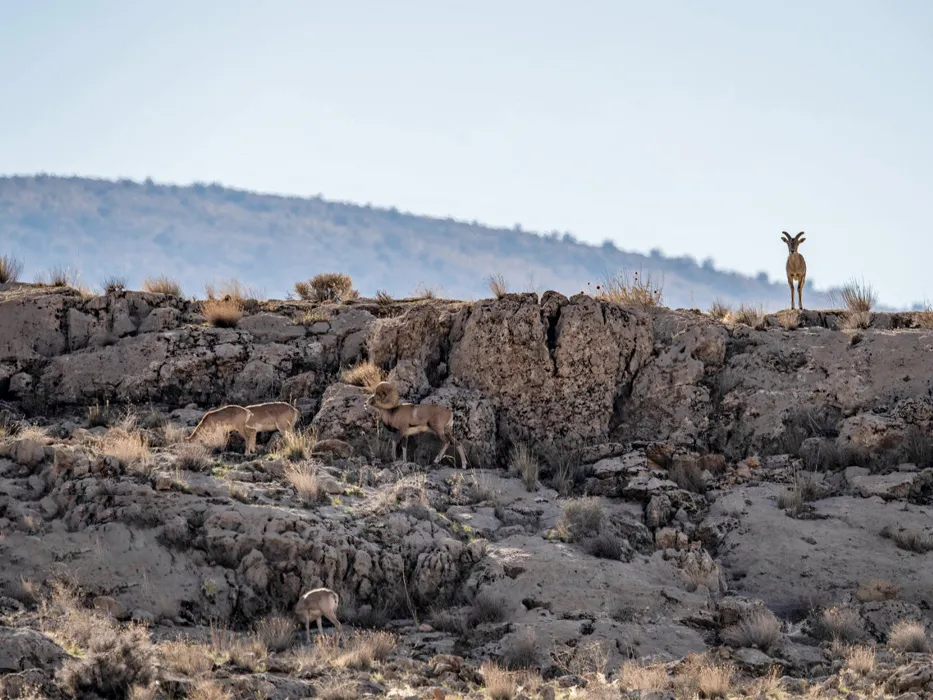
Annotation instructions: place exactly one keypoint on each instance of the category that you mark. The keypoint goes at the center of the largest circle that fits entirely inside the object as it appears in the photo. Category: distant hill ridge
(199, 233)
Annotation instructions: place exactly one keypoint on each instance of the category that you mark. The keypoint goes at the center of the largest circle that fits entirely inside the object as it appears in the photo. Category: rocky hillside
(655, 503)
(202, 233)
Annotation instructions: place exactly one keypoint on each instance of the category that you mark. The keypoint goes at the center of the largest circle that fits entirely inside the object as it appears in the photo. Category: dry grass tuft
(719, 310)
(192, 456)
(306, 482)
(296, 445)
(497, 285)
(637, 290)
(173, 434)
(488, 607)
(877, 590)
(524, 463)
(500, 684)
(507, 685)
(860, 659)
(637, 676)
(747, 315)
(162, 285)
(231, 289)
(113, 284)
(522, 653)
(582, 517)
(842, 624)
(909, 636)
(710, 679)
(10, 269)
(327, 286)
(209, 690)
(360, 651)
(423, 291)
(909, 539)
(383, 297)
(222, 313)
(128, 447)
(182, 656)
(59, 276)
(858, 296)
(276, 632)
(100, 416)
(364, 374)
(761, 630)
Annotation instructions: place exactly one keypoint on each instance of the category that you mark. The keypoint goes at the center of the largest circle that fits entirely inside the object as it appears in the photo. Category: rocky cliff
(681, 476)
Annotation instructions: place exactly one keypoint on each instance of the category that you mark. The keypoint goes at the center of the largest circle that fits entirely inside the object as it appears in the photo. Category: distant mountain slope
(201, 233)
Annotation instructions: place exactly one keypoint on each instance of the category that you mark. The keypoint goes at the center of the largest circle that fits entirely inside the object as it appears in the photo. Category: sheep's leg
(443, 450)
(320, 627)
(800, 292)
(250, 440)
(463, 459)
(335, 621)
(790, 281)
(307, 629)
(405, 449)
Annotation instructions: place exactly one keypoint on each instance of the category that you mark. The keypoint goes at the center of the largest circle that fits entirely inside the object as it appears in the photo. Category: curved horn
(385, 395)
(799, 235)
(785, 235)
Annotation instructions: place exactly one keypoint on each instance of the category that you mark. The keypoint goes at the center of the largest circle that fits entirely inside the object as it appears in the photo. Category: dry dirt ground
(657, 505)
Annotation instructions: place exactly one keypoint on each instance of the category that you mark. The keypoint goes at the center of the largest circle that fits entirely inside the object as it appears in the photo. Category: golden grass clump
(747, 315)
(276, 631)
(710, 679)
(188, 658)
(327, 286)
(859, 298)
(383, 297)
(365, 374)
(909, 636)
(129, 447)
(719, 310)
(497, 285)
(192, 456)
(524, 463)
(638, 676)
(500, 683)
(163, 284)
(638, 290)
(209, 690)
(10, 269)
(306, 482)
(860, 659)
(296, 445)
(360, 651)
(840, 623)
(222, 313)
(761, 630)
(58, 276)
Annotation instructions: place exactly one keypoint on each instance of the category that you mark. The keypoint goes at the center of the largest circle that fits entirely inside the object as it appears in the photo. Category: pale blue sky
(702, 128)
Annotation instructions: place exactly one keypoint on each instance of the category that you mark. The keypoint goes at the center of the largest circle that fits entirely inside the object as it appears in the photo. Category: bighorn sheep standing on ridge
(796, 267)
(248, 421)
(409, 419)
(313, 604)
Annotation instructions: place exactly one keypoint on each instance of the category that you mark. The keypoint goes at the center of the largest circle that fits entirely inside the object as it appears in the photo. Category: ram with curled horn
(408, 419)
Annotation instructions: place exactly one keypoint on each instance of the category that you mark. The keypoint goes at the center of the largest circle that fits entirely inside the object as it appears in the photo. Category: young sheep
(409, 419)
(314, 604)
(796, 266)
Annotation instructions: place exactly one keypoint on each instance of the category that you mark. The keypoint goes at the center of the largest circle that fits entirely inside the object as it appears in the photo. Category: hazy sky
(702, 128)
